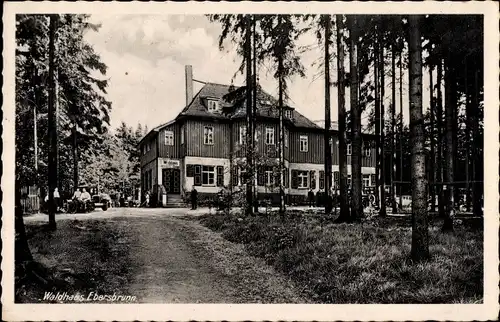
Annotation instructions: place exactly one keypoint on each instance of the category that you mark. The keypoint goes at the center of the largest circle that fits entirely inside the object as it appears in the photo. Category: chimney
(189, 84)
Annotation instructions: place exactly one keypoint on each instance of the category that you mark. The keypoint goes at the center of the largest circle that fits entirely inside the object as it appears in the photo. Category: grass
(77, 258)
(361, 263)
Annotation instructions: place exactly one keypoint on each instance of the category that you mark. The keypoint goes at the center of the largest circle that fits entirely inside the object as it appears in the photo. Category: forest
(436, 156)
(86, 151)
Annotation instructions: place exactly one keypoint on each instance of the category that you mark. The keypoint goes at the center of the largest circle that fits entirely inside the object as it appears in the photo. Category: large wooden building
(204, 144)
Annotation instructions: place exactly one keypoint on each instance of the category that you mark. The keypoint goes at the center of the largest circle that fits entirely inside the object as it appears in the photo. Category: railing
(30, 199)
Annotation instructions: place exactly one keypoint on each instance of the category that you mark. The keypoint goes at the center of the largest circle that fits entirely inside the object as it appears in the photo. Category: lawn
(362, 263)
(77, 258)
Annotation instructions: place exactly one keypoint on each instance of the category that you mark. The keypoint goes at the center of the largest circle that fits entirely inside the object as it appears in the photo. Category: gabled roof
(232, 101)
(196, 107)
(155, 130)
(232, 97)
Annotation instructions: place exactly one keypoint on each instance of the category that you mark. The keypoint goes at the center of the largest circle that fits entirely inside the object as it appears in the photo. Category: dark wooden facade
(227, 141)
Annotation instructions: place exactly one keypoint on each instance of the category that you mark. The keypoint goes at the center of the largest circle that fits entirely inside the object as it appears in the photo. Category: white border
(488, 310)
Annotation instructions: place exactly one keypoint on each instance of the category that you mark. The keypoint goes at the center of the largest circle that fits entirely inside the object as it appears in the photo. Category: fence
(30, 199)
(465, 194)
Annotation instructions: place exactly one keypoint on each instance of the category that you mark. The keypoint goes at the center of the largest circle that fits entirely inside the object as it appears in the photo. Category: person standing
(310, 197)
(57, 199)
(194, 198)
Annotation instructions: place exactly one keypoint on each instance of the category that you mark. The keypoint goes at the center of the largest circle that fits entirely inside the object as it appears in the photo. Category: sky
(146, 56)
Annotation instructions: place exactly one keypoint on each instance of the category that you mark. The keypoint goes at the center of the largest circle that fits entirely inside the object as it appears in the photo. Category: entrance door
(172, 180)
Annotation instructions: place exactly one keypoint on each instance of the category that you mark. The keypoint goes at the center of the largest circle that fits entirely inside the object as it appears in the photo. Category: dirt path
(179, 261)
(162, 258)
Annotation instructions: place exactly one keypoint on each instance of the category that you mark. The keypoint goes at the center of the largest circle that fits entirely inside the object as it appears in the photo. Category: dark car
(101, 200)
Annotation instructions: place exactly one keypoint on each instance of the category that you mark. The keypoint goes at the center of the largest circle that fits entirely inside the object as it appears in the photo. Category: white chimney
(189, 84)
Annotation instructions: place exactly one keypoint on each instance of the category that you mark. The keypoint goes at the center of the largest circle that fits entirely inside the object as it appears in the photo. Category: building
(203, 145)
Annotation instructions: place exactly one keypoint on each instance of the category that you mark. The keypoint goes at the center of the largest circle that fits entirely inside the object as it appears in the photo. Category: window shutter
(220, 176)
(287, 178)
(336, 179)
(373, 180)
(312, 179)
(295, 183)
(197, 175)
(235, 175)
(260, 176)
(190, 170)
(322, 179)
(277, 177)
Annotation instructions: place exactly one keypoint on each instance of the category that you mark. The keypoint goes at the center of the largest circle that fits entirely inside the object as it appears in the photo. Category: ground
(159, 256)
(187, 256)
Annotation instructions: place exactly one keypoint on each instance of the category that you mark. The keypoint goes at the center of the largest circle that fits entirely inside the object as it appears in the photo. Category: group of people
(81, 198)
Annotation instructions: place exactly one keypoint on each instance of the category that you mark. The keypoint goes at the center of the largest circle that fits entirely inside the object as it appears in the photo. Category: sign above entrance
(169, 163)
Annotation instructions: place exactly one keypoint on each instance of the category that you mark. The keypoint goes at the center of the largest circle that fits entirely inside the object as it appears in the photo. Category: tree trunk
(393, 129)
(450, 105)
(52, 124)
(420, 234)
(254, 115)
(344, 207)
(357, 206)
(401, 125)
(75, 156)
(376, 66)
(432, 187)
(477, 175)
(328, 145)
(249, 145)
(280, 143)
(383, 211)
(468, 140)
(439, 118)
(22, 251)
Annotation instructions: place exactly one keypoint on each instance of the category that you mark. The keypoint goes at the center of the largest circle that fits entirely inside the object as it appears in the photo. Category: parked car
(102, 200)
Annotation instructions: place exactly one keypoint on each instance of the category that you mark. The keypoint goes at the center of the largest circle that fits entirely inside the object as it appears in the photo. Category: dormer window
(288, 114)
(213, 105)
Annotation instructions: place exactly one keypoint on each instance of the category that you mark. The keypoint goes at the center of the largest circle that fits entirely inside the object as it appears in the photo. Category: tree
(382, 127)
(393, 127)
(52, 125)
(357, 206)
(420, 238)
(328, 143)
(279, 36)
(80, 99)
(250, 116)
(344, 207)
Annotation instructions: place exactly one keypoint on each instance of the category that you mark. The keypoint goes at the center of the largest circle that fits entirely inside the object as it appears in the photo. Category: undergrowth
(361, 263)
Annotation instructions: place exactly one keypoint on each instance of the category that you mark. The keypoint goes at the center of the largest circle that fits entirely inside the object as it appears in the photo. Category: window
(367, 149)
(243, 174)
(288, 114)
(349, 180)
(169, 138)
(285, 135)
(208, 135)
(303, 143)
(348, 149)
(366, 180)
(183, 128)
(270, 135)
(243, 134)
(220, 176)
(146, 148)
(208, 175)
(303, 179)
(269, 178)
(213, 105)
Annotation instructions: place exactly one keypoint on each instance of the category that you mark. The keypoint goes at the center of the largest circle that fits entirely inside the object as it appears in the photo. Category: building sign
(169, 163)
